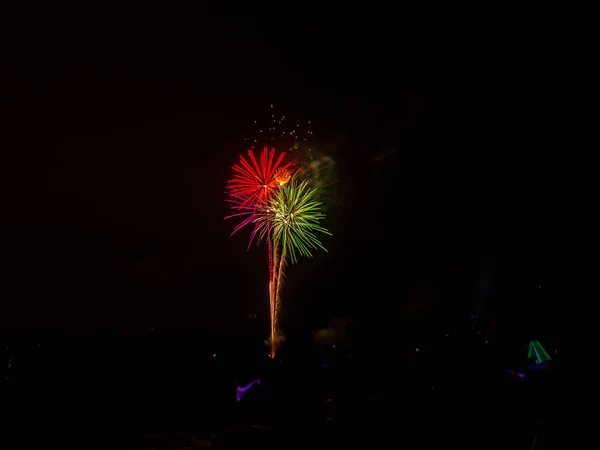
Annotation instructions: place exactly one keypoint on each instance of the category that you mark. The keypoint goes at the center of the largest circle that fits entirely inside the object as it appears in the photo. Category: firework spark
(271, 128)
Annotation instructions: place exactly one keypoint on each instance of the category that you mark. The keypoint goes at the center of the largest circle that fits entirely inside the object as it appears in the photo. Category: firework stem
(272, 295)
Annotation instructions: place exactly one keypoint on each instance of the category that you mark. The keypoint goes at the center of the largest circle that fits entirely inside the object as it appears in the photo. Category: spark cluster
(286, 134)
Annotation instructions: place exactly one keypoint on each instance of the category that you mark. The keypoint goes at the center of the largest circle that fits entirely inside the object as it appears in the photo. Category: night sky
(119, 128)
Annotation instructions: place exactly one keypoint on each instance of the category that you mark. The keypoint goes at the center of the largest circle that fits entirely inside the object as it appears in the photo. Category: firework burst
(292, 217)
(256, 180)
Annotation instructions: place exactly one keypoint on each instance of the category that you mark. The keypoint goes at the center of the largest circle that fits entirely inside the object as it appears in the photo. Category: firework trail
(279, 288)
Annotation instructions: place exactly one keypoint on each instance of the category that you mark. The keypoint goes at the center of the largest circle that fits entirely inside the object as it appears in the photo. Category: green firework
(292, 217)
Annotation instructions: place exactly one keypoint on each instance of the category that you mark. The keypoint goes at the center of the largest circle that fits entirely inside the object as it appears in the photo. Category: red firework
(254, 182)
(253, 185)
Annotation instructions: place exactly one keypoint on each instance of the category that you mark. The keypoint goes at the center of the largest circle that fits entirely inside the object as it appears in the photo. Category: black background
(120, 127)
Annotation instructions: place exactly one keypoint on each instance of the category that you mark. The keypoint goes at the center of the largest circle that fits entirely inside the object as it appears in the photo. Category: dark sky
(120, 127)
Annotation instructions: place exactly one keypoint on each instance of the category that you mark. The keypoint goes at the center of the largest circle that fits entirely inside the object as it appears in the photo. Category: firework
(267, 194)
(255, 181)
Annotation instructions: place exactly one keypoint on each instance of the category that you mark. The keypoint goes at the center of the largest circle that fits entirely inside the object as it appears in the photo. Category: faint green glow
(537, 352)
(322, 171)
